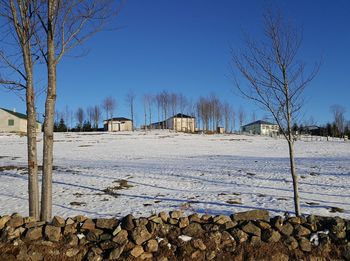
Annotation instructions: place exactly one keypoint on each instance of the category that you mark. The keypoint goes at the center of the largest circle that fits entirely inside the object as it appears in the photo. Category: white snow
(185, 238)
(213, 174)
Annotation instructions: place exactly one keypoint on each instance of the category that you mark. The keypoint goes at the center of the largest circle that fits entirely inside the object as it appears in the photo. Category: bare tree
(80, 116)
(109, 105)
(130, 100)
(276, 79)
(338, 112)
(96, 116)
(89, 114)
(227, 113)
(253, 116)
(19, 23)
(241, 117)
(64, 25)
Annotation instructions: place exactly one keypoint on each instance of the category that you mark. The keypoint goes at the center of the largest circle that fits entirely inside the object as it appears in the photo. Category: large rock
(106, 223)
(140, 235)
(53, 233)
(94, 235)
(305, 244)
(88, 224)
(239, 235)
(15, 222)
(251, 229)
(183, 222)
(127, 222)
(287, 229)
(151, 246)
(34, 233)
(198, 243)
(3, 221)
(137, 251)
(176, 214)
(115, 253)
(252, 215)
(301, 231)
(193, 230)
(58, 221)
(270, 236)
(221, 219)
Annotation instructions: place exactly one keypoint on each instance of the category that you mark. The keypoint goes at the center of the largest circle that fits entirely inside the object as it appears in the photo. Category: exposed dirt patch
(75, 203)
(234, 201)
(312, 203)
(336, 210)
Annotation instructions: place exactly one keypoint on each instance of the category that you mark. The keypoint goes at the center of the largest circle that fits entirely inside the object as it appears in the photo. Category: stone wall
(251, 235)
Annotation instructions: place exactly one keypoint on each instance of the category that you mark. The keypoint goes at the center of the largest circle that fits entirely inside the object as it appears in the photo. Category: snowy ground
(166, 171)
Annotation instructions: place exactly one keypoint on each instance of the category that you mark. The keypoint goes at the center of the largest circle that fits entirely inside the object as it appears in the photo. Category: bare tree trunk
(33, 184)
(46, 201)
(294, 178)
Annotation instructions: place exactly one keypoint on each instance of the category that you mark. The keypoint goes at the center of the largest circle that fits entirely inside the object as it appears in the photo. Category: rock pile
(250, 235)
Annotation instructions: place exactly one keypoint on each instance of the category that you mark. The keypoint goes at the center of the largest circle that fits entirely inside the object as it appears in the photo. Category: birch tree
(130, 101)
(274, 78)
(17, 58)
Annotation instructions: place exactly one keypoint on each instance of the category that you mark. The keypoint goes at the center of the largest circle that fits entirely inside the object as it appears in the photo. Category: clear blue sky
(184, 46)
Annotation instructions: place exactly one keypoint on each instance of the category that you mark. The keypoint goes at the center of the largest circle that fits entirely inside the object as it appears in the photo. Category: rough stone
(252, 215)
(164, 216)
(88, 224)
(255, 240)
(70, 221)
(146, 256)
(53, 233)
(69, 229)
(301, 231)
(291, 243)
(94, 235)
(72, 252)
(175, 214)
(263, 225)
(128, 222)
(294, 220)
(34, 233)
(239, 235)
(35, 224)
(58, 221)
(79, 218)
(286, 229)
(270, 236)
(15, 222)
(106, 223)
(230, 224)
(221, 219)
(151, 245)
(305, 244)
(156, 219)
(251, 229)
(198, 243)
(140, 235)
(136, 251)
(183, 222)
(72, 240)
(193, 230)
(116, 252)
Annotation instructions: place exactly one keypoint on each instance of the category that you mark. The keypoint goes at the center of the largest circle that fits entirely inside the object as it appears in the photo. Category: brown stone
(3, 221)
(58, 221)
(251, 229)
(146, 256)
(136, 251)
(183, 222)
(121, 238)
(270, 236)
(175, 214)
(305, 244)
(294, 220)
(164, 216)
(53, 233)
(34, 233)
(128, 222)
(221, 219)
(239, 235)
(151, 245)
(94, 235)
(88, 224)
(35, 224)
(106, 223)
(252, 215)
(287, 229)
(71, 240)
(291, 243)
(15, 222)
(193, 230)
(198, 243)
(140, 235)
(70, 221)
(301, 231)
(116, 252)
(79, 218)
(72, 252)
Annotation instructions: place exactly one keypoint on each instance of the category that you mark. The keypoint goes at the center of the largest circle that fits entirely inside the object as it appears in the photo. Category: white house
(261, 128)
(178, 122)
(118, 124)
(12, 121)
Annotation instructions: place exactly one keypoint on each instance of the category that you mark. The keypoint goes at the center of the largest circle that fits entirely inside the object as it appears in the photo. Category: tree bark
(294, 178)
(46, 201)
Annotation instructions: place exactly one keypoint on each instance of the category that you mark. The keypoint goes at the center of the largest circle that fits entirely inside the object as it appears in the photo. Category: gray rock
(251, 229)
(252, 215)
(53, 233)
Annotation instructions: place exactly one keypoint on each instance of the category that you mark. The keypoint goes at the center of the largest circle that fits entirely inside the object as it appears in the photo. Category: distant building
(220, 130)
(261, 128)
(178, 122)
(311, 130)
(118, 124)
(12, 121)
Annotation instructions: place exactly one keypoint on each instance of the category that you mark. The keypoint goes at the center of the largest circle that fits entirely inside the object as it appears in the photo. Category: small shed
(118, 124)
(220, 130)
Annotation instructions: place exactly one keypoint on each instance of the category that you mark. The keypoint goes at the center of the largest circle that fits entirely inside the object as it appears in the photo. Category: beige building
(261, 128)
(12, 121)
(118, 124)
(181, 122)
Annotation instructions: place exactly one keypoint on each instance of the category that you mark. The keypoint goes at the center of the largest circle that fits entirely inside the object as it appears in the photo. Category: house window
(11, 123)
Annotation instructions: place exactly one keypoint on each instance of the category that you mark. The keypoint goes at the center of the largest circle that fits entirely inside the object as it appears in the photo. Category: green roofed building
(12, 121)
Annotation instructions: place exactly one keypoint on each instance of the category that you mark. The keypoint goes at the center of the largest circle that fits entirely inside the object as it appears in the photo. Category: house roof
(118, 119)
(259, 122)
(181, 115)
(17, 114)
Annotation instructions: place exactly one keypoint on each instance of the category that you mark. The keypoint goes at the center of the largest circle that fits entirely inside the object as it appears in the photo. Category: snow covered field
(103, 174)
